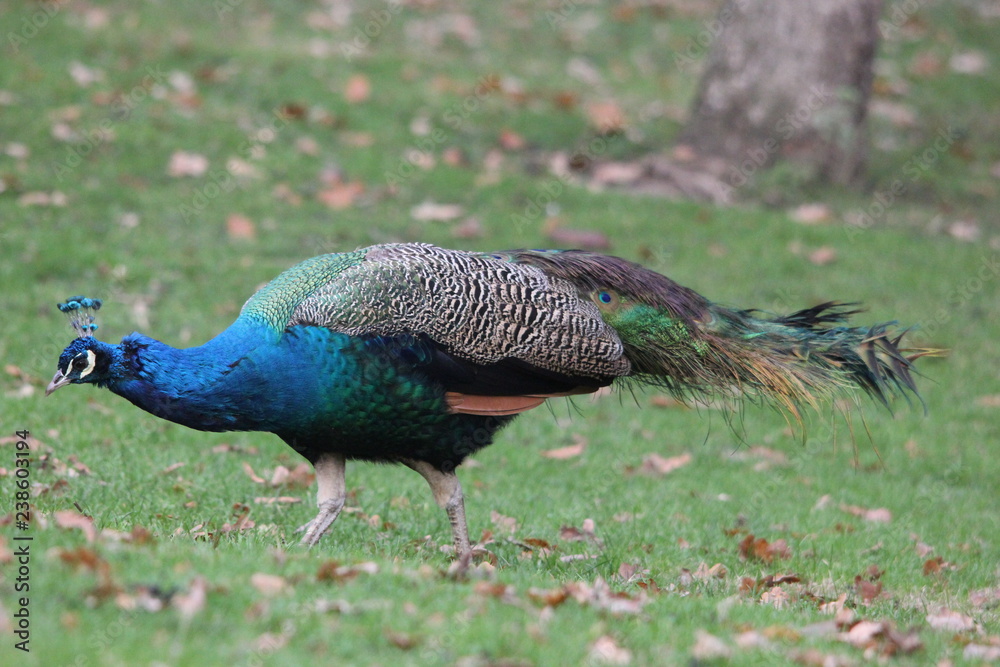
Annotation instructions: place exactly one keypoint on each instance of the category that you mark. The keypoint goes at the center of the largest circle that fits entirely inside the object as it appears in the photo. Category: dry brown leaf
(708, 647)
(567, 452)
(189, 603)
(358, 89)
(172, 467)
(340, 195)
(502, 522)
(333, 571)
(704, 572)
(606, 117)
(429, 211)
(268, 585)
(950, 621)
(402, 640)
(877, 515)
(606, 651)
(280, 500)
(985, 598)
(868, 591)
(470, 228)
(981, 652)
(550, 597)
(654, 464)
(251, 474)
(811, 214)
(184, 163)
(240, 227)
(823, 255)
(70, 519)
(754, 548)
(989, 401)
(38, 198)
(511, 140)
(582, 239)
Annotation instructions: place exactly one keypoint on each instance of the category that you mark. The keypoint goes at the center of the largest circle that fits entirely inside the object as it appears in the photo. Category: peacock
(415, 354)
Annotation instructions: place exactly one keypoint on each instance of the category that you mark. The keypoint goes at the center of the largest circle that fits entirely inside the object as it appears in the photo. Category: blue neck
(227, 384)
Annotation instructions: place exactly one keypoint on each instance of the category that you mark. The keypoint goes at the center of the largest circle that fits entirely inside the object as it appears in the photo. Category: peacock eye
(80, 363)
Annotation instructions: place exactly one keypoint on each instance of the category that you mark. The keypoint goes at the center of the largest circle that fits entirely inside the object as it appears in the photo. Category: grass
(180, 275)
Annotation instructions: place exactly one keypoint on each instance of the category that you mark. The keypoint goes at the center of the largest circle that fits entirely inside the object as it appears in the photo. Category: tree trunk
(786, 80)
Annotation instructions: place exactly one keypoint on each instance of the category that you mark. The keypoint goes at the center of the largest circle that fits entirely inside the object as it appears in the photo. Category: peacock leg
(447, 492)
(331, 490)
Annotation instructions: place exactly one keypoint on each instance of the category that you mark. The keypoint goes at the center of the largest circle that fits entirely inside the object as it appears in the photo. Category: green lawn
(310, 119)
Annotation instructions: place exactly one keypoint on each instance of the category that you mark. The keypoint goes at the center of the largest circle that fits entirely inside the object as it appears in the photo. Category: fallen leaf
(985, 598)
(511, 140)
(340, 195)
(654, 464)
(268, 585)
(503, 522)
(708, 647)
(251, 474)
(402, 640)
(989, 401)
(950, 621)
(183, 163)
(878, 515)
(823, 255)
(276, 500)
(189, 603)
(550, 597)
(811, 214)
(704, 572)
(578, 238)
(432, 211)
(754, 548)
(606, 651)
(358, 89)
(567, 452)
(868, 590)
(38, 198)
(968, 62)
(172, 467)
(606, 117)
(70, 519)
(981, 652)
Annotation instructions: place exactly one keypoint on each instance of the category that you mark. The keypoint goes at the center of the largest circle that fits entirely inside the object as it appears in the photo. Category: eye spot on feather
(605, 299)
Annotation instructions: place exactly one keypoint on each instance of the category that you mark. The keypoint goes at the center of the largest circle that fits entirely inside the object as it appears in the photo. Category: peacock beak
(59, 380)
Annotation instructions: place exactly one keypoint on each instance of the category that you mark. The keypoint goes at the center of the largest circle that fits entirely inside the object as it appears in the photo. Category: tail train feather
(696, 350)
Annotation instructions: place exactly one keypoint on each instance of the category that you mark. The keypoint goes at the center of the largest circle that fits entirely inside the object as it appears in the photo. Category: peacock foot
(329, 510)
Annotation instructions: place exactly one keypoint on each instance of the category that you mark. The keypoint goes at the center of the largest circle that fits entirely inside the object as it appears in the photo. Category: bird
(413, 354)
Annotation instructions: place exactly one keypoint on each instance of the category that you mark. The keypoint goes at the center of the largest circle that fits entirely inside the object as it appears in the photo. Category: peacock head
(86, 359)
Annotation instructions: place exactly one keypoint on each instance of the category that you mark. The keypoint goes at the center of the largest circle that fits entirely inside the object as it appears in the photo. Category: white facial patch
(91, 362)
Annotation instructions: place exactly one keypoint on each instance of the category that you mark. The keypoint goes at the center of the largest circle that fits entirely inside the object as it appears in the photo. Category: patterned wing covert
(477, 307)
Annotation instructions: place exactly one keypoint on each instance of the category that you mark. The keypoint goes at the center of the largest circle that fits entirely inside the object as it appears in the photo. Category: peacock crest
(81, 312)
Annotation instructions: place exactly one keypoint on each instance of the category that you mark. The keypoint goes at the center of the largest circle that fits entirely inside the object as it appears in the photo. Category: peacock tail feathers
(676, 339)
